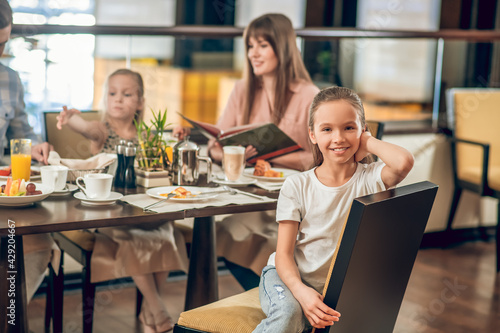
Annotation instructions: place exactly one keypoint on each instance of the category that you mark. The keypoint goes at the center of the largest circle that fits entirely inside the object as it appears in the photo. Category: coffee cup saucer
(243, 181)
(67, 190)
(113, 196)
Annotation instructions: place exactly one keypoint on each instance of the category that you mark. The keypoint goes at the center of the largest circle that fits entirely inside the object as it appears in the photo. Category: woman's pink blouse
(294, 122)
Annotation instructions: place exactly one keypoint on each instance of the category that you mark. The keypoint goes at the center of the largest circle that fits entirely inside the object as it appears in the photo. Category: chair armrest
(486, 157)
(477, 143)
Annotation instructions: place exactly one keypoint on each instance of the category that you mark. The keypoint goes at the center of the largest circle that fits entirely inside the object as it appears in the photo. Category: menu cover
(268, 139)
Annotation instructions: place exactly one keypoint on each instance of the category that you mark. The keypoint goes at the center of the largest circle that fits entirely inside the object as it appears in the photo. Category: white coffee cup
(97, 185)
(233, 162)
(54, 176)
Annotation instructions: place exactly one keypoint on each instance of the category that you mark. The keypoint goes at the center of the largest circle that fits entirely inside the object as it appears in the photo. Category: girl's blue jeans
(283, 311)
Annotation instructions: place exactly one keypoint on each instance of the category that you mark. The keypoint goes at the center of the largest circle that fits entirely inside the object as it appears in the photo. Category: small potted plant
(152, 150)
(154, 154)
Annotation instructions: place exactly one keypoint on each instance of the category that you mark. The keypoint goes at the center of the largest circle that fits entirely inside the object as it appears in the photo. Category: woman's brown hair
(278, 31)
(5, 14)
(332, 94)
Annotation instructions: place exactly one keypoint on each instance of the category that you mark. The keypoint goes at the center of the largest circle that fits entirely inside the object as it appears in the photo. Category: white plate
(155, 193)
(27, 199)
(243, 181)
(98, 202)
(60, 193)
(248, 172)
(32, 178)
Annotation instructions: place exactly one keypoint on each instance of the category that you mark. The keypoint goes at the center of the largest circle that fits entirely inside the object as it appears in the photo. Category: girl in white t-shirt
(313, 206)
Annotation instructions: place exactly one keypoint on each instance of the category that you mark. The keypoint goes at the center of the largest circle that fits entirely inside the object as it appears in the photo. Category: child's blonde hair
(332, 94)
(139, 114)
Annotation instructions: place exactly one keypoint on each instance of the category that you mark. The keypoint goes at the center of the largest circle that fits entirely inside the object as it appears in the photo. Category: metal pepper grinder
(129, 174)
(120, 169)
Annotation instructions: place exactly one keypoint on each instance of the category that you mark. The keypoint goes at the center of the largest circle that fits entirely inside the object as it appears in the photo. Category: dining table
(64, 213)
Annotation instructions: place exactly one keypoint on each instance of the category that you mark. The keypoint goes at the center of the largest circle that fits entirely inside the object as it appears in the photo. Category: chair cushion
(83, 238)
(239, 313)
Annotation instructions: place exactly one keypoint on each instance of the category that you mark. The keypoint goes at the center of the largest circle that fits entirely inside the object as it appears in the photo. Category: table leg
(202, 282)
(12, 285)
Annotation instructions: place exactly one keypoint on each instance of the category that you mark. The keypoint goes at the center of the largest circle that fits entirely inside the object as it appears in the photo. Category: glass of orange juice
(20, 158)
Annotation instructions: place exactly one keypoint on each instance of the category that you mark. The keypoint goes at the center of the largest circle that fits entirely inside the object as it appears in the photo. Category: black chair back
(373, 263)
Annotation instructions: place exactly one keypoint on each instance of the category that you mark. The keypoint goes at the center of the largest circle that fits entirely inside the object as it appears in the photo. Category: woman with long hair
(277, 88)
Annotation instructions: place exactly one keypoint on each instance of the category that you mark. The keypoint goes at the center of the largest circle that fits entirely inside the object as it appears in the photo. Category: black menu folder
(267, 138)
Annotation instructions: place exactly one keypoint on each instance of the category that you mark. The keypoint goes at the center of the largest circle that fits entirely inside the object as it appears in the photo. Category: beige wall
(433, 163)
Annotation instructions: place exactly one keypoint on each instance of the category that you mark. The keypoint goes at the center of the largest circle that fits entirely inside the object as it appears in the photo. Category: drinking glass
(20, 158)
(233, 162)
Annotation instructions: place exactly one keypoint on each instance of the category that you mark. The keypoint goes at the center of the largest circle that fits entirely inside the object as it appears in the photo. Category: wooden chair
(474, 116)
(79, 244)
(54, 298)
(376, 128)
(66, 142)
(371, 266)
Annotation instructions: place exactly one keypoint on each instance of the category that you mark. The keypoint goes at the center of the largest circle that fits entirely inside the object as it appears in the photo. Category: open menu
(268, 139)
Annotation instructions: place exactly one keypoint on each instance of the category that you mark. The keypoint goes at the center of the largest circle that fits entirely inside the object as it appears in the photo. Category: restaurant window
(55, 69)
(195, 74)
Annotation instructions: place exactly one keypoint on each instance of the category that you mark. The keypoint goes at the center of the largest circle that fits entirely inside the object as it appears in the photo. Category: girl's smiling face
(337, 131)
(262, 57)
(123, 100)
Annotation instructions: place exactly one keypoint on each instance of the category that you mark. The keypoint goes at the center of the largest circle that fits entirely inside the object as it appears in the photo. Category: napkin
(143, 200)
(269, 186)
(99, 161)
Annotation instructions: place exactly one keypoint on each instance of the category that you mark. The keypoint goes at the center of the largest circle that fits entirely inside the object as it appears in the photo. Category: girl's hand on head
(363, 149)
(317, 313)
(65, 115)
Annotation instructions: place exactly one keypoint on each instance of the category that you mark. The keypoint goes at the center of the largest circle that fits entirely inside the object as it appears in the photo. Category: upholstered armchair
(474, 117)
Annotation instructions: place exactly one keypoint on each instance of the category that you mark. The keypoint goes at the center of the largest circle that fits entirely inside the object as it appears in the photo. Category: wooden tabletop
(67, 213)
(55, 214)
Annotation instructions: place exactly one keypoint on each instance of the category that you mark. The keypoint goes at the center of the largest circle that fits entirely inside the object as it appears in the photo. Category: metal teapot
(186, 163)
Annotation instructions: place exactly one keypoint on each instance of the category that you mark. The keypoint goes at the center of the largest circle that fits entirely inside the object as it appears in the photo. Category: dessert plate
(98, 202)
(248, 172)
(34, 169)
(157, 191)
(26, 200)
(243, 181)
